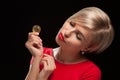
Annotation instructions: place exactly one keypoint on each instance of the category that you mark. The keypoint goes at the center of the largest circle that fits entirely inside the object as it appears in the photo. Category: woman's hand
(34, 44)
(48, 67)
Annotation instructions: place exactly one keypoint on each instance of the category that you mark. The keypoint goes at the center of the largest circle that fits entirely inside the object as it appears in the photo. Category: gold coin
(36, 28)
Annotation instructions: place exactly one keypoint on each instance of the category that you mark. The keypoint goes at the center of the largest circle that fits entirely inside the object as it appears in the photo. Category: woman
(89, 31)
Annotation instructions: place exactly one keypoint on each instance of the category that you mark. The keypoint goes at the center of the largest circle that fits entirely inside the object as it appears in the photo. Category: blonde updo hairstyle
(100, 25)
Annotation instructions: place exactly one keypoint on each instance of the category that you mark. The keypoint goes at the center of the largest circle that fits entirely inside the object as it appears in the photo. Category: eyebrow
(80, 32)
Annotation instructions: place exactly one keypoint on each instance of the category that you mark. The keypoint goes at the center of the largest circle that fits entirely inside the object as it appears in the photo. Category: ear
(83, 51)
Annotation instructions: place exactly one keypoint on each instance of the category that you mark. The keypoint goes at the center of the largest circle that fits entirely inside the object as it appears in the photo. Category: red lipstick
(60, 36)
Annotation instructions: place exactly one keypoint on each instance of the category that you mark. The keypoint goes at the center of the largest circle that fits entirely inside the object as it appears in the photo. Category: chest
(63, 72)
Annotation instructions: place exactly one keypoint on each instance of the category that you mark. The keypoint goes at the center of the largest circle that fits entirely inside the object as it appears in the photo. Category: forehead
(84, 30)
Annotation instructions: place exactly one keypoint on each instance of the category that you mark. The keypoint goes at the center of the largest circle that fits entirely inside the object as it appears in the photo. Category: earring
(82, 52)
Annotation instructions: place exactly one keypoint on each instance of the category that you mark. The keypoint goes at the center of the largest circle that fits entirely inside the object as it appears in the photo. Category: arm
(35, 73)
(34, 45)
(34, 69)
(48, 67)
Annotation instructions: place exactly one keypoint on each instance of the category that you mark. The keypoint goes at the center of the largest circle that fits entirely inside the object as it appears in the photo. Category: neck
(69, 57)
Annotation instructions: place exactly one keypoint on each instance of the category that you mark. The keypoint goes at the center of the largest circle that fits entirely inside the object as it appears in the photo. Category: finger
(32, 37)
(35, 39)
(44, 64)
(50, 60)
(33, 33)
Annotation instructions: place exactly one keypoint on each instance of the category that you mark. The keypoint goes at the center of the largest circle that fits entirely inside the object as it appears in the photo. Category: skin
(34, 44)
(76, 39)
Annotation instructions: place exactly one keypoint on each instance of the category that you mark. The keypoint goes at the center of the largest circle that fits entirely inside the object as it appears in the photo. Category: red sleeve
(45, 51)
(94, 73)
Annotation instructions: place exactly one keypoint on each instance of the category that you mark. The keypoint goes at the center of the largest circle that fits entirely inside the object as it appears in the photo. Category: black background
(17, 19)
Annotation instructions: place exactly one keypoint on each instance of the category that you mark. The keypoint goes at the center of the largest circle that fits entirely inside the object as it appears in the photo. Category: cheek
(56, 38)
(74, 43)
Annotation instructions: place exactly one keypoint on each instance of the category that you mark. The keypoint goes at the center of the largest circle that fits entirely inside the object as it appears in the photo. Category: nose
(69, 32)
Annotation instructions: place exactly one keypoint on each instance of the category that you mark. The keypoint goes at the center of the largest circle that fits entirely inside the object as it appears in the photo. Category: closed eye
(79, 35)
(72, 24)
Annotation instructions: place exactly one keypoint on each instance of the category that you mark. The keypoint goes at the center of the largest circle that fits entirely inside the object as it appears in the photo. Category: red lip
(61, 36)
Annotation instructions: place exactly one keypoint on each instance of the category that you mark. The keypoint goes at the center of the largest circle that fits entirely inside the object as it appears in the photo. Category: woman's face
(73, 36)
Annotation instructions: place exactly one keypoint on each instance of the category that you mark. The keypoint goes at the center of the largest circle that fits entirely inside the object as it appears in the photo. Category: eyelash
(72, 24)
(77, 33)
(78, 36)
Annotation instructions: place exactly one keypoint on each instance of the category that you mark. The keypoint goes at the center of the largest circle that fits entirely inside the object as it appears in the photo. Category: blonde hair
(99, 23)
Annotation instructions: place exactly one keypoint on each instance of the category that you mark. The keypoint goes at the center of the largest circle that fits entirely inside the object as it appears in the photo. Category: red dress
(86, 70)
